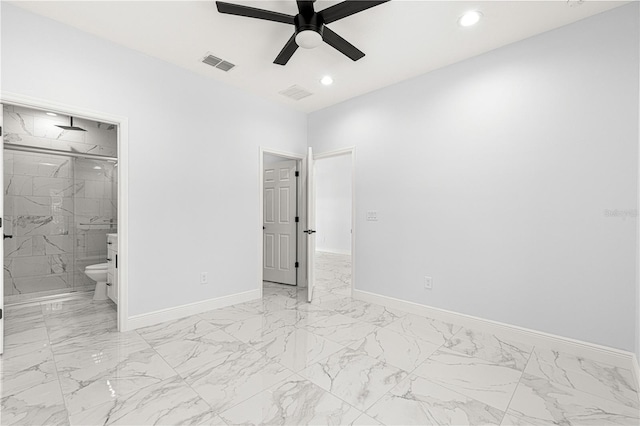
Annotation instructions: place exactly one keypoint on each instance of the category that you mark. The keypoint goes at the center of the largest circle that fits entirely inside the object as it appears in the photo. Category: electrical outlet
(204, 278)
(428, 283)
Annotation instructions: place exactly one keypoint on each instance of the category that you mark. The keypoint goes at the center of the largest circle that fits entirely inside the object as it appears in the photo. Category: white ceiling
(401, 39)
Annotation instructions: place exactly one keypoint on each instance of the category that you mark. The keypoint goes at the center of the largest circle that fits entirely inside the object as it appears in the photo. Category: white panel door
(279, 222)
(311, 223)
(3, 224)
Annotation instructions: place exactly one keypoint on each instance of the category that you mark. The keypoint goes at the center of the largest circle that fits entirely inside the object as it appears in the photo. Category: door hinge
(297, 174)
(0, 222)
(297, 264)
(0, 313)
(297, 219)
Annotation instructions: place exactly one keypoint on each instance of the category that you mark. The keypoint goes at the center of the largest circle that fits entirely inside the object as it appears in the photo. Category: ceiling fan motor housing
(310, 30)
(309, 23)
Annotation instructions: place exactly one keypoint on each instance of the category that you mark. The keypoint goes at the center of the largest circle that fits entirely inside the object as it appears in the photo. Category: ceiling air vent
(225, 66)
(296, 92)
(216, 62)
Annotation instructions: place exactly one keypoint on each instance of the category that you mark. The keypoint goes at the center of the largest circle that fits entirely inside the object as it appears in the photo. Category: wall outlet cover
(428, 283)
(204, 277)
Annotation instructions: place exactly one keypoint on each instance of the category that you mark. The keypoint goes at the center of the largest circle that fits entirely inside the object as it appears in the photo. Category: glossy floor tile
(417, 401)
(283, 361)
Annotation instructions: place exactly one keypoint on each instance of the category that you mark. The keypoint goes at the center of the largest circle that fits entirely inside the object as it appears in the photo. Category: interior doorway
(337, 243)
(64, 209)
(280, 219)
(333, 259)
(281, 199)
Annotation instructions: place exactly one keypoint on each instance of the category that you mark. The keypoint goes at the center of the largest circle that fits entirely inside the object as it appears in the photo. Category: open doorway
(280, 219)
(333, 234)
(333, 265)
(282, 206)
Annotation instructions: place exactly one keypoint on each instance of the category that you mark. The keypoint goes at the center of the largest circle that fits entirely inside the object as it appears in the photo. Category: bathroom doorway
(61, 191)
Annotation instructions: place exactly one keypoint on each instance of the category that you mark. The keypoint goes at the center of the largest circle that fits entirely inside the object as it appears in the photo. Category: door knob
(5, 236)
(309, 231)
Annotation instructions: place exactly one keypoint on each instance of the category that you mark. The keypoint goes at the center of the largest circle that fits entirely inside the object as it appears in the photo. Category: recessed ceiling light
(326, 80)
(97, 168)
(470, 18)
(53, 114)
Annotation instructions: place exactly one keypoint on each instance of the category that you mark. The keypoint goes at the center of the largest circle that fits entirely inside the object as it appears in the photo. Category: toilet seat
(97, 267)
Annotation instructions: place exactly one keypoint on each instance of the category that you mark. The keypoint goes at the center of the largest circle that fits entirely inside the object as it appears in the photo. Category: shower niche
(60, 201)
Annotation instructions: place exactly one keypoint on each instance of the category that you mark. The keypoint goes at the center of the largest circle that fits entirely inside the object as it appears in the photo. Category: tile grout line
(409, 374)
(103, 402)
(305, 378)
(55, 365)
(466, 396)
(218, 414)
(517, 385)
(582, 373)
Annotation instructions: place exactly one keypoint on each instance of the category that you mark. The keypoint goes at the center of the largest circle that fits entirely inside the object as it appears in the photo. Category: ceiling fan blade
(253, 12)
(341, 45)
(305, 7)
(347, 8)
(287, 51)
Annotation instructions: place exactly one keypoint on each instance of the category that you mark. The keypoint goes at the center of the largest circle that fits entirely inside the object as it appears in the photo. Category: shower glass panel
(95, 215)
(58, 211)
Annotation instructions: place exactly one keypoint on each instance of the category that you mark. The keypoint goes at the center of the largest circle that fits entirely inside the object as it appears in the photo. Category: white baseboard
(347, 252)
(177, 312)
(636, 370)
(604, 354)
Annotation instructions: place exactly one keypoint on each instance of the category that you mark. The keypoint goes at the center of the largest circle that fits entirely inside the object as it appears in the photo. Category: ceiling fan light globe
(308, 39)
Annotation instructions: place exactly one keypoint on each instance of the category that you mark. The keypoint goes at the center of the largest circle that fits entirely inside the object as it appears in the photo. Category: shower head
(71, 126)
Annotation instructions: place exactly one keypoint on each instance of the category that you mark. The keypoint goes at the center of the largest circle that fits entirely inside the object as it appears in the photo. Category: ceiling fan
(310, 26)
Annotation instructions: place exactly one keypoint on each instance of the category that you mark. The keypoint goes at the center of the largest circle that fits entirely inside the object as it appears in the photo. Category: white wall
(333, 204)
(493, 176)
(191, 208)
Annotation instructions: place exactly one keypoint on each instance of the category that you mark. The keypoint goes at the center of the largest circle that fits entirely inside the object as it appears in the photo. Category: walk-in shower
(60, 202)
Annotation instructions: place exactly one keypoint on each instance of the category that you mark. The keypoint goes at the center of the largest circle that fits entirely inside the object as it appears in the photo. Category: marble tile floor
(281, 360)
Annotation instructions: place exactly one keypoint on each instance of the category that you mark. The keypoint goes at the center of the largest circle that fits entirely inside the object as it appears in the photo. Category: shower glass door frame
(2, 227)
(83, 208)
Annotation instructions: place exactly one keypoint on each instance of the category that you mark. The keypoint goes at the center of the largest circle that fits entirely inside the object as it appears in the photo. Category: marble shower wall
(58, 209)
(35, 128)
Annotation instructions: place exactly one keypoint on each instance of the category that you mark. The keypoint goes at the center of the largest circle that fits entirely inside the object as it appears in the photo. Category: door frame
(337, 153)
(301, 247)
(123, 182)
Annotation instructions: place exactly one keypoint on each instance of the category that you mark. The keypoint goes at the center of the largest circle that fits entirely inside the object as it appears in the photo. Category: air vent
(216, 62)
(225, 66)
(211, 60)
(296, 93)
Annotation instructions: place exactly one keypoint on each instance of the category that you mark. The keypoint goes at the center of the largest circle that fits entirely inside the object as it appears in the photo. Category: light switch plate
(372, 216)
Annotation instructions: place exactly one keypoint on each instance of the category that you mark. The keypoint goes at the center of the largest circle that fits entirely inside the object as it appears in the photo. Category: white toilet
(98, 273)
